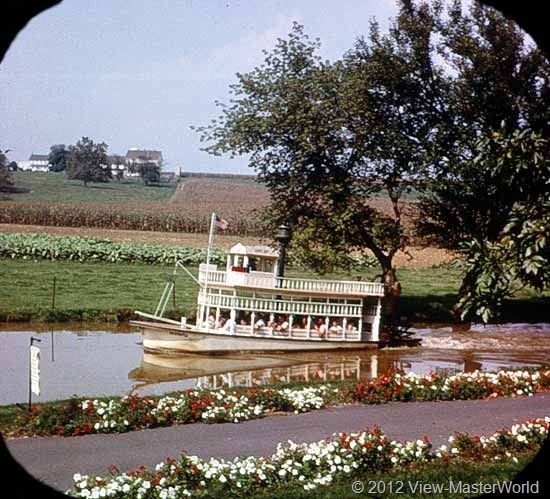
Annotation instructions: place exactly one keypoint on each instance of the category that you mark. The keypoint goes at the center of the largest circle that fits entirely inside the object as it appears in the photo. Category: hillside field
(54, 201)
(54, 187)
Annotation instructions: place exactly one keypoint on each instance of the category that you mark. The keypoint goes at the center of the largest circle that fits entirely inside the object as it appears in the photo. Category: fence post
(53, 292)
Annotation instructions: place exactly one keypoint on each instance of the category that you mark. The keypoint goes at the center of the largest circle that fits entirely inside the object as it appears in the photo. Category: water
(81, 361)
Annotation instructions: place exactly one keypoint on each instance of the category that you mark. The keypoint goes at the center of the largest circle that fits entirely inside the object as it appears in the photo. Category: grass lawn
(99, 291)
(55, 187)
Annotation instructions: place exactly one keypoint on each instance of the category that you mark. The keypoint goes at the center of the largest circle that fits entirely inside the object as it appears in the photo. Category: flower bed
(308, 465)
(83, 416)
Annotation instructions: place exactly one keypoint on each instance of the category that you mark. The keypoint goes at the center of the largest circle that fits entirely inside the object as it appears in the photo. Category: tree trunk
(468, 284)
(392, 292)
(392, 287)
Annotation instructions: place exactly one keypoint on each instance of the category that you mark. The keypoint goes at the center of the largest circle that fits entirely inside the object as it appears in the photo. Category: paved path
(54, 460)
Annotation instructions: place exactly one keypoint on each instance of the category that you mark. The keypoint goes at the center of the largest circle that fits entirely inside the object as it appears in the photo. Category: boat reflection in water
(255, 370)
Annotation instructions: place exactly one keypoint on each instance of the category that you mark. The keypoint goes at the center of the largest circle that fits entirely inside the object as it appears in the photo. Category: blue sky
(139, 73)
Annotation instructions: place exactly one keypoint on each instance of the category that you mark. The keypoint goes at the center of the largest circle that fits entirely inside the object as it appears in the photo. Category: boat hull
(166, 338)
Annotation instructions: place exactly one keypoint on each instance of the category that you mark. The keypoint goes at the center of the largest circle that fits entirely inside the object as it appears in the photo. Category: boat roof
(260, 251)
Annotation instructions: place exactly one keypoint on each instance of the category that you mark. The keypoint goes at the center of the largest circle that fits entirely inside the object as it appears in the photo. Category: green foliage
(517, 249)
(500, 76)
(87, 161)
(5, 174)
(149, 171)
(58, 157)
(89, 249)
(325, 137)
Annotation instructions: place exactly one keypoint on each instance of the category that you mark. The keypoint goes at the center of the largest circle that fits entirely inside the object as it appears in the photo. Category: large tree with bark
(327, 138)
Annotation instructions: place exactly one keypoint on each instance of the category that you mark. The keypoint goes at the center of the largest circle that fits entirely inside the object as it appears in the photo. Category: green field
(104, 291)
(55, 187)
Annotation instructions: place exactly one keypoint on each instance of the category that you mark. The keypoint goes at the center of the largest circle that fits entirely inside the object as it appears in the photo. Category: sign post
(34, 369)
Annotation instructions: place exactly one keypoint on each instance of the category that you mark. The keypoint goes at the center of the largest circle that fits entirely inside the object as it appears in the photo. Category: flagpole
(210, 241)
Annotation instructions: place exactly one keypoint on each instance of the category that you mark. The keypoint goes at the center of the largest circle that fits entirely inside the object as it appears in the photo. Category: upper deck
(267, 282)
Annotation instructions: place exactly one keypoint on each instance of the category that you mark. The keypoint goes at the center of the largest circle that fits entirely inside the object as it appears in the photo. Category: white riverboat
(249, 306)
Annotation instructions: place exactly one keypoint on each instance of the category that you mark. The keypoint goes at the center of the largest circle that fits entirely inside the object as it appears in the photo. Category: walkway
(54, 460)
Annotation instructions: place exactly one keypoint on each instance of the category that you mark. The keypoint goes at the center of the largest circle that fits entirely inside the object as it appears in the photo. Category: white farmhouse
(39, 163)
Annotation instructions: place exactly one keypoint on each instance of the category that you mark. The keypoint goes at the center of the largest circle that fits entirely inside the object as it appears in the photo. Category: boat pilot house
(250, 306)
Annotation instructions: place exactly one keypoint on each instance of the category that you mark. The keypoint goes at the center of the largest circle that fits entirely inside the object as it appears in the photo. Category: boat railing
(265, 280)
(337, 287)
(281, 306)
(214, 276)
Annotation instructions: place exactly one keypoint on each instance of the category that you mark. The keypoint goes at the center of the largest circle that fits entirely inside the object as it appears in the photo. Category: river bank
(58, 291)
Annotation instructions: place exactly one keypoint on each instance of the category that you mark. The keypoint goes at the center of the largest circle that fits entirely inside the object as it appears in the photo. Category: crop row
(91, 249)
(124, 216)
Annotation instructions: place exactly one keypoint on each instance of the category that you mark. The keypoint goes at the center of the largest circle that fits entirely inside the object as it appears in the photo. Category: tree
(58, 158)
(501, 88)
(87, 161)
(519, 254)
(5, 173)
(307, 126)
(148, 170)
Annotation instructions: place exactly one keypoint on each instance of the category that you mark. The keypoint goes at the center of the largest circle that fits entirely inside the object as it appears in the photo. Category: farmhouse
(118, 163)
(39, 163)
(137, 156)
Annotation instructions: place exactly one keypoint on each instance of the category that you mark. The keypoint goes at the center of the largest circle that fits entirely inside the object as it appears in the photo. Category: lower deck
(171, 338)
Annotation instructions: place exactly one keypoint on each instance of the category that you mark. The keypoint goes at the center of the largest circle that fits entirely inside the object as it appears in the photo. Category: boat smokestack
(283, 236)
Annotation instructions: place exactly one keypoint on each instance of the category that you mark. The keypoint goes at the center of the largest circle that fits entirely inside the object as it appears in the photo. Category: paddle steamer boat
(250, 306)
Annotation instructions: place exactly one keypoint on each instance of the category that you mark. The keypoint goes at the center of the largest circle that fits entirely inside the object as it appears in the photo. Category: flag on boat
(221, 223)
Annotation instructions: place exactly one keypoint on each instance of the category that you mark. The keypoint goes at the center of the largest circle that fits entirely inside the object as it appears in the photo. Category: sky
(139, 73)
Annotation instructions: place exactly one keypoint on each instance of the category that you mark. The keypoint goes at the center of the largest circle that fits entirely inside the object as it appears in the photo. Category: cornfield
(189, 210)
(126, 216)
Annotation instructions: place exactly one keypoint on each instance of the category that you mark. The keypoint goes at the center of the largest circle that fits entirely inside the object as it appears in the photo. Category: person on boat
(272, 324)
(300, 324)
(282, 324)
(211, 322)
(260, 323)
(221, 322)
(229, 325)
(335, 327)
(320, 327)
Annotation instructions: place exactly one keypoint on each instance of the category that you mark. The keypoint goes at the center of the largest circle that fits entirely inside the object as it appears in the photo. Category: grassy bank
(111, 292)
